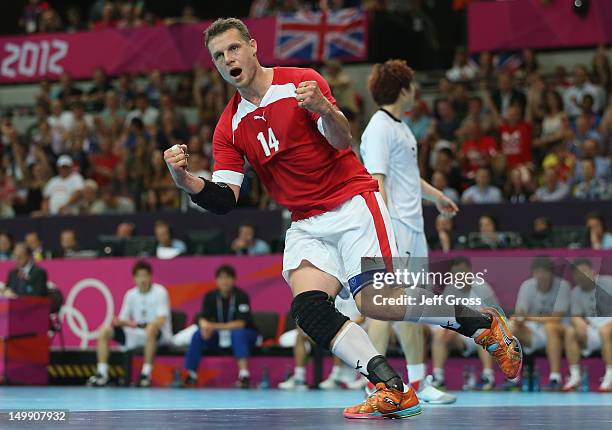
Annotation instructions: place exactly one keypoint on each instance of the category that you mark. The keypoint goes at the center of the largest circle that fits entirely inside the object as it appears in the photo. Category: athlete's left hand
(446, 206)
(310, 97)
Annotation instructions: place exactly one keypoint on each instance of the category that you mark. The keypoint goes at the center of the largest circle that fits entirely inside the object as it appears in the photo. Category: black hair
(225, 269)
(141, 265)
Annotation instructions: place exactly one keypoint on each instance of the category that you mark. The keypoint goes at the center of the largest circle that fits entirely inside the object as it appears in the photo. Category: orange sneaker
(499, 342)
(386, 403)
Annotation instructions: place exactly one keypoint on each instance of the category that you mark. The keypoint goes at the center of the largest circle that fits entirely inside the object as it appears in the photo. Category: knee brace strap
(315, 313)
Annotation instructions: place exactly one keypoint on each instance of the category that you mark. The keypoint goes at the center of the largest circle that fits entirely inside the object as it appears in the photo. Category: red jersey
(477, 153)
(285, 145)
(516, 144)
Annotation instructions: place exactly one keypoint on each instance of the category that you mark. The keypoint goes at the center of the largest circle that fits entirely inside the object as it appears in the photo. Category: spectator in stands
(486, 65)
(588, 331)
(444, 341)
(419, 120)
(482, 192)
(27, 279)
(97, 93)
(104, 162)
(464, 69)
(574, 95)
(598, 238)
(144, 321)
(6, 246)
(125, 230)
(515, 137)
(225, 321)
(35, 177)
(506, 95)
(476, 150)
(446, 163)
(247, 243)
(126, 90)
(591, 187)
(50, 21)
(601, 67)
(64, 190)
(111, 203)
(74, 20)
(341, 86)
(167, 246)
(519, 186)
(30, 19)
(68, 93)
(68, 244)
(583, 132)
(542, 302)
(108, 18)
(439, 181)
(603, 165)
(113, 114)
(444, 237)
(448, 122)
(489, 236)
(553, 189)
(476, 113)
(147, 114)
(529, 63)
(554, 121)
(541, 235)
(35, 244)
(89, 197)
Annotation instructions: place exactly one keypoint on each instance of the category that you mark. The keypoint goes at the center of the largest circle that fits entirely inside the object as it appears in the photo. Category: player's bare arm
(445, 205)
(335, 125)
(380, 178)
(218, 198)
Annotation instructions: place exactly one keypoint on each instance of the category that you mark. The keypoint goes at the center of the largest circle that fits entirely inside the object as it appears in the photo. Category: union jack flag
(316, 36)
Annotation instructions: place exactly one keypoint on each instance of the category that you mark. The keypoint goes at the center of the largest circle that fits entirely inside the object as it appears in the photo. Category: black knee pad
(315, 313)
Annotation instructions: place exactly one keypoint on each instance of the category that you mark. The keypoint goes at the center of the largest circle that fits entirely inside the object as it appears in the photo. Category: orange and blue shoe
(386, 403)
(501, 344)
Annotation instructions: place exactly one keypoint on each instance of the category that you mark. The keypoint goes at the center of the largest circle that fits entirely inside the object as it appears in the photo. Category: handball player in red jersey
(285, 122)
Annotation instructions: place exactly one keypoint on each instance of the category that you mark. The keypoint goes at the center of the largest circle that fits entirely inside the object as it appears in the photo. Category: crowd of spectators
(503, 131)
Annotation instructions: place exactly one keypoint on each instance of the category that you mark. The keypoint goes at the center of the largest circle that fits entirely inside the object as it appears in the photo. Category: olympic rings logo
(75, 318)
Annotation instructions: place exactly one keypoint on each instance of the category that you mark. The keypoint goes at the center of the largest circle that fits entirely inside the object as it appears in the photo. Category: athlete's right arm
(219, 198)
(381, 185)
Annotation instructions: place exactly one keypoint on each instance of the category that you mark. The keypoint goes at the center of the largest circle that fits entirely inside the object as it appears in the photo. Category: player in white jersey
(144, 321)
(589, 331)
(389, 152)
(542, 302)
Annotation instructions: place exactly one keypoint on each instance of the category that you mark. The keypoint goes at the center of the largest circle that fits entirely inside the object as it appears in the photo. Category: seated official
(225, 321)
(144, 321)
(27, 279)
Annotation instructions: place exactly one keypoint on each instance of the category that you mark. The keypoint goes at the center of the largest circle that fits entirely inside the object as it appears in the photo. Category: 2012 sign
(33, 58)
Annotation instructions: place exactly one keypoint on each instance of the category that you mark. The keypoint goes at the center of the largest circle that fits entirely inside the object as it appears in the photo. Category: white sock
(575, 372)
(335, 372)
(416, 372)
(353, 346)
(607, 379)
(244, 373)
(299, 373)
(438, 374)
(146, 369)
(554, 376)
(488, 374)
(192, 374)
(103, 369)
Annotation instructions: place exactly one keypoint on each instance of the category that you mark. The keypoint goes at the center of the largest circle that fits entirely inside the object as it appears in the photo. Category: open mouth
(236, 72)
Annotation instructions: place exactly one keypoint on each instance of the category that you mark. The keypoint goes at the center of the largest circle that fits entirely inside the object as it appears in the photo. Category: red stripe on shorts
(381, 229)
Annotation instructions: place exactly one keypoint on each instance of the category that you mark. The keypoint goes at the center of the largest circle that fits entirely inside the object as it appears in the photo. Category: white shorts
(137, 337)
(335, 241)
(538, 337)
(593, 340)
(470, 347)
(411, 244)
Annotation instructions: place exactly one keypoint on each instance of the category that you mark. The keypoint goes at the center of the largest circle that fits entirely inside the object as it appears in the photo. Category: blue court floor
(132, 408)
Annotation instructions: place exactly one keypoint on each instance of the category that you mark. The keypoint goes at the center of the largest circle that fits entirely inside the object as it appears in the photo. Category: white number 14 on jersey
(270, 144)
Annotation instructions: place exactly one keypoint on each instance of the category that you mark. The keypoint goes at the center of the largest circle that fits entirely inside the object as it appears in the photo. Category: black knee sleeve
(315, 313)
